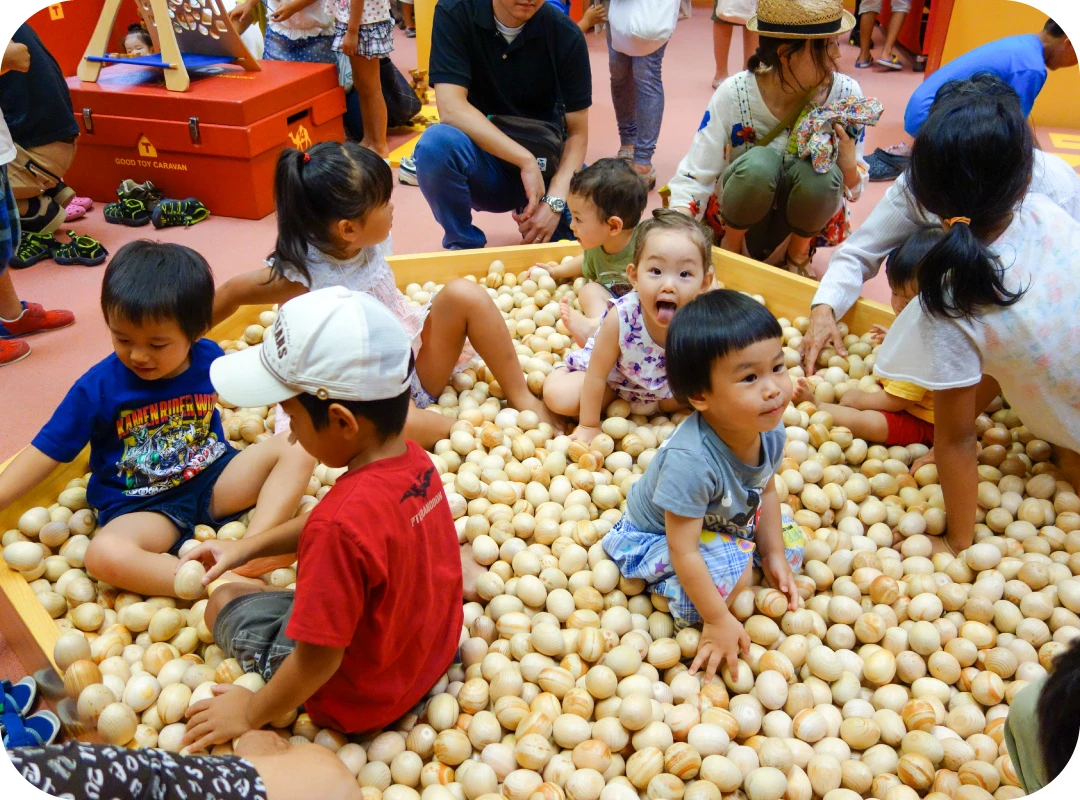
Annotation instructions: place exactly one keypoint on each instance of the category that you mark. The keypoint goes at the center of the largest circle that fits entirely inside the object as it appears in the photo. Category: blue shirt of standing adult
(1018, 60)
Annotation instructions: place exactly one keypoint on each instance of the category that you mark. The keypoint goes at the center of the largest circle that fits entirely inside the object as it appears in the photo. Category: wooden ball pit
(891, 680)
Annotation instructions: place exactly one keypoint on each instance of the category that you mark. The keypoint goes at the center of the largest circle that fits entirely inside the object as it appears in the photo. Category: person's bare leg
(408, 15)
(866, 34)
(743, 582)
(368, 87)
(892, 33)
(271, 475)
(869, 425)
(798, 249)
(733, 240)
(1068, 463)
(307, 770)
(471, 571)
(721, 37)
(131, 552)
(225, 594)
(462, 311)
(583, 324)
(562, 392)
(10, 305)
(426, 427)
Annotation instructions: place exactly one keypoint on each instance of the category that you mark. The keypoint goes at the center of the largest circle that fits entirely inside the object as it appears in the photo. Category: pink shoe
(74, 212)
(85, 202)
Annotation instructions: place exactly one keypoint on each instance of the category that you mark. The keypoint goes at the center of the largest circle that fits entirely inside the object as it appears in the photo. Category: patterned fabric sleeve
(711, 150)
(80, 770)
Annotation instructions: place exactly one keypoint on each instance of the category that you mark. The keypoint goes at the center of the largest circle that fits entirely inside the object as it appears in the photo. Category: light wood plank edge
(787, 295)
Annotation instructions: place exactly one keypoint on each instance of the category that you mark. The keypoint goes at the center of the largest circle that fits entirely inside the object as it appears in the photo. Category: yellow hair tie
(948, 223)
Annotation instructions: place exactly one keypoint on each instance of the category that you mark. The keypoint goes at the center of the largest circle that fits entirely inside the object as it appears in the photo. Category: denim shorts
(186, 506)
(251, 629)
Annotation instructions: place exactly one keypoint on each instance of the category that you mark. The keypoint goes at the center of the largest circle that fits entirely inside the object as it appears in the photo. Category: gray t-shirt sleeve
(687, 483)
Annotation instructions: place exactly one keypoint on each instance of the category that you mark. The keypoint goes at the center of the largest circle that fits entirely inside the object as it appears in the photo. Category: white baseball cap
(331, 343)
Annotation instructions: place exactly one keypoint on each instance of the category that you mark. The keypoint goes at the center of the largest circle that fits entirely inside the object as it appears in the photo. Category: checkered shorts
(646, 556)
(375, 41)
(9, 221)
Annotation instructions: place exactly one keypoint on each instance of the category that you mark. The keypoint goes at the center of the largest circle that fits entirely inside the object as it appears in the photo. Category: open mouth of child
(665, 311)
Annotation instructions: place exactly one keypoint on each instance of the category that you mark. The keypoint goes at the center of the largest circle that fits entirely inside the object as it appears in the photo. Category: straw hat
(801, 19)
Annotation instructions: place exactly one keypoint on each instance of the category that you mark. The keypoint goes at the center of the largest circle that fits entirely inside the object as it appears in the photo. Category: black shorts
(186, 506)
(78, 769)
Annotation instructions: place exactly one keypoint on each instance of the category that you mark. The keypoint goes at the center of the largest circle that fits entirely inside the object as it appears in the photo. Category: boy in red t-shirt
(377, 612)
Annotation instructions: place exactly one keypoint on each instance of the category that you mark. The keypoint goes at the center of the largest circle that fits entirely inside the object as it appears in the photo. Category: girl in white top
(997, 296)
(765, 196)
(334, 215)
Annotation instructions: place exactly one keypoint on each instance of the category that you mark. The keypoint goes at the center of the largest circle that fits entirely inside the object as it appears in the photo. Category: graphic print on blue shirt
(166, 443)
(145, 437)
(742, 524)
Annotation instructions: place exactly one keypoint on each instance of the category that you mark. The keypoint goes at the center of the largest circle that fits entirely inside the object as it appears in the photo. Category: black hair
(768, 56)
(1053, 29)
(707, 328)
(981, 84)
(157, 281)
(973, 158)
(137, 29)
(388, 416)
(668, 219)
(313, 190)
(1058, 712)
(615, 188)
(902, 266)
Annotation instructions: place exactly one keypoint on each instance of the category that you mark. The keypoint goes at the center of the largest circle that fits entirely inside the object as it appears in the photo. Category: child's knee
(463, 293)
(221, 597)
(105, 557)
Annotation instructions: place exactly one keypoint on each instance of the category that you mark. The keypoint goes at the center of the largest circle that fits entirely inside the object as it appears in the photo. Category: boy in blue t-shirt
(159, 460)
(1020, 61)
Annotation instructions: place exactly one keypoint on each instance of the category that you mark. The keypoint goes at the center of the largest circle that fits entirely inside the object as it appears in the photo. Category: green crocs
(82, 250)
(33, 247)
(128, 211)
(170, 213)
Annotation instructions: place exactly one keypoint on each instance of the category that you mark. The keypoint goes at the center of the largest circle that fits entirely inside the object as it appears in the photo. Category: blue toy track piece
(191, 60)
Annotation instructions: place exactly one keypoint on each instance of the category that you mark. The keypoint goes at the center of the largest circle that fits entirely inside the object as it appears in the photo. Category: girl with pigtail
(997, 304)
(334, 215)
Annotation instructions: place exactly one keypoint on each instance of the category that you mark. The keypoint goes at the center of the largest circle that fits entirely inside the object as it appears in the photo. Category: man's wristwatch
(556, 204)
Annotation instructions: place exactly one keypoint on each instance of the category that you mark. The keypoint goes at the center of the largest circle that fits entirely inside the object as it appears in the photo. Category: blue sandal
(22, 694)
(864, 64)
(36, 730)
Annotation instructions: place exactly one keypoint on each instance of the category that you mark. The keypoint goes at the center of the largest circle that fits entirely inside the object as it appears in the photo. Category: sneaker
(23, 693)
(410, 33)
(33, 247)
(129, 211)
(82, 250)
(34, 319)
(12, 351)
(170, 213)
(147, 192)
(406, 172)
(36, 730)
(44, 215)
(62, 194)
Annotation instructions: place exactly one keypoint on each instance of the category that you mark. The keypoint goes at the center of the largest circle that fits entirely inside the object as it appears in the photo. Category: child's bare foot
(803, 393)
(470, 573)
(581, 327)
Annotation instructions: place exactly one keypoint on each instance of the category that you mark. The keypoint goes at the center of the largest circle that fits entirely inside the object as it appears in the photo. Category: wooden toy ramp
(199, 33)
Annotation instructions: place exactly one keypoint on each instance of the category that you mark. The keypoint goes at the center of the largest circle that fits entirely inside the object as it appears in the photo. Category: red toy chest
(218, 141)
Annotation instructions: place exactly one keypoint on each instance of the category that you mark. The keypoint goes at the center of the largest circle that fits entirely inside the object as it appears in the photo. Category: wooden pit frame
(31, 632)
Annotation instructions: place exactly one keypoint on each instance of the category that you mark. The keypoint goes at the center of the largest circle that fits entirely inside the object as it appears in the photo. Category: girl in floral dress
(625, 358)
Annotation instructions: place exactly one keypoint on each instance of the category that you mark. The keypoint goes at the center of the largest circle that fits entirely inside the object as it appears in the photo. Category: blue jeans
(456, 177)
(637, 92)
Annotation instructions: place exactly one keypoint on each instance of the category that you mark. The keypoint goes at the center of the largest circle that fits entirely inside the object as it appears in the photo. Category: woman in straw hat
(741, 175)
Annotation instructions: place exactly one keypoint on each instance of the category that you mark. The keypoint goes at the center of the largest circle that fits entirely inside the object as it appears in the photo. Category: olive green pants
(771, 195)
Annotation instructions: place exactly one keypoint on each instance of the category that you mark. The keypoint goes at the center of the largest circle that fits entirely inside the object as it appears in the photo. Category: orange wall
(976, 22)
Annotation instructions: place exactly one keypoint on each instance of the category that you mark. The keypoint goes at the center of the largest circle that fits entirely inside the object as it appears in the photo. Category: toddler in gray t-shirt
(706, 508)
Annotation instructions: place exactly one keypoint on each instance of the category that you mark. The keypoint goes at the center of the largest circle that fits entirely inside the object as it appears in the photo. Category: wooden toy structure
(199, 34)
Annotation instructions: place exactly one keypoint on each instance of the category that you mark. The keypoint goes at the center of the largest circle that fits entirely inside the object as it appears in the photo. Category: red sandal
(12, 351)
